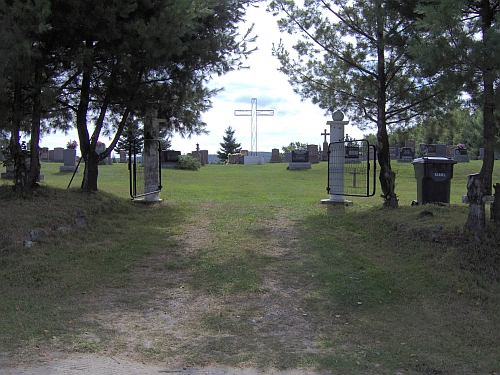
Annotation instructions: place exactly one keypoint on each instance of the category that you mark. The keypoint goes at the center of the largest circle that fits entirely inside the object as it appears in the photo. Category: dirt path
(105, 365)
(160, 324)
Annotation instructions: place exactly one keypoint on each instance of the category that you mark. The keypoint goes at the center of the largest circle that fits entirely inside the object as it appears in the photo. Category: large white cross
(254, 113)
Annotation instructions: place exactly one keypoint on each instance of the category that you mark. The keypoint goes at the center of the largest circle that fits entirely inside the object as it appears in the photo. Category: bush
(188, 162)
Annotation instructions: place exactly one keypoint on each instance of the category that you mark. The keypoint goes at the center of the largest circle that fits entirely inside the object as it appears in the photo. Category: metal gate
(351, 168)
(136, 172)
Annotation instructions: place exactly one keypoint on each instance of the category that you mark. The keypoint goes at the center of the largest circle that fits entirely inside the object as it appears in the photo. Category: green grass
(243, 265)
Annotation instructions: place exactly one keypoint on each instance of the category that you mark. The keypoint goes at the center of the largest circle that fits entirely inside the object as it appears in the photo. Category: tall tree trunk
(34, 170)
(91, 171)
(88, 154)
(387, 176)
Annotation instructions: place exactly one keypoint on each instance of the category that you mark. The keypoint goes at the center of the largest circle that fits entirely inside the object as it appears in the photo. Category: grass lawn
(242, 265)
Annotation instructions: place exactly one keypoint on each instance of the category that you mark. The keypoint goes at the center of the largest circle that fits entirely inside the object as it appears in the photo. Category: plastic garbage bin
(433, 176)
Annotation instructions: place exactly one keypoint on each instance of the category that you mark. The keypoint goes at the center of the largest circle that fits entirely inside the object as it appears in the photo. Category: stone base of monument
(146, 201)
(299, 165)
(68, 168)
(461, 158)
(340, 202)
(253, 160)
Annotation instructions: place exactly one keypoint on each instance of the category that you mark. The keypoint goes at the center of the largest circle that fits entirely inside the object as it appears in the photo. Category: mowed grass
(285, 281)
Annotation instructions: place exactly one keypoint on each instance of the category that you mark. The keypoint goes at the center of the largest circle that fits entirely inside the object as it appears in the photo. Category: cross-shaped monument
(254, 112)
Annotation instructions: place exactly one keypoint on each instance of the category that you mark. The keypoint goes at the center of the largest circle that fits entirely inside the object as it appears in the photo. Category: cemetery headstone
(204, 157)
(432, 150)
(352, 153)
(170, 159)
(393, 152)
(69, 156)
(406, 155)
(58, 155)
(300, 156)
(411, 144)
(324, 152)
(44, 154)
(275, 156)
(123, 156)
(461, 155)
(287, 157)
(313, 153)
(300, 160)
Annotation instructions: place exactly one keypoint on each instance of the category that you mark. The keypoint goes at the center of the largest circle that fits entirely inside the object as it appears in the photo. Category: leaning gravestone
(300, 160)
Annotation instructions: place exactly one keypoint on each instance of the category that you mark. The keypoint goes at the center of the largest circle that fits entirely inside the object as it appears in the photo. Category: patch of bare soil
(163, 321)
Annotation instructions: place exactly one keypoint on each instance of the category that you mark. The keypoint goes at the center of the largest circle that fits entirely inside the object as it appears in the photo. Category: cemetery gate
(355, 162)
(136, 167)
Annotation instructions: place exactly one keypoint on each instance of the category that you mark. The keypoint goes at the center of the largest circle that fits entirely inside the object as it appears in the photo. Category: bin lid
(434, 160)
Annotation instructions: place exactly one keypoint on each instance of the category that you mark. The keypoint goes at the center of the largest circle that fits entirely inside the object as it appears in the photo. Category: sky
(293, 121)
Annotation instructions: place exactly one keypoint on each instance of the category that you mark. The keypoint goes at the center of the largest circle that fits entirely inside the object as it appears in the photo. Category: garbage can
(433, 176)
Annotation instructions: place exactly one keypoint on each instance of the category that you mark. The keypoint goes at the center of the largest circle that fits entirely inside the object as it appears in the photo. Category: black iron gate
(355, 162)
(136, 171)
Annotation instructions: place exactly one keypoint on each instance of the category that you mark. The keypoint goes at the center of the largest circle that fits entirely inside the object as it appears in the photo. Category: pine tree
(351, 56)
(229, 146)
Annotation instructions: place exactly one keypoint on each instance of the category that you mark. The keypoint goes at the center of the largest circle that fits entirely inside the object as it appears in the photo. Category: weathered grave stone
(461, 155)
(170, 159)
(300, 160)
(394, 152)
(123, 156)
(313, 153)
(432, 150)
(69, 158)
(204, 157)
(406, 155)
(44, 154)
(255, 160)
(287, 157)
(275, 156)
(411, 144)
(58, 155)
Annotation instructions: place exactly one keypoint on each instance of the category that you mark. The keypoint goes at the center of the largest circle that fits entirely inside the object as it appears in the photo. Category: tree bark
(387, 176)
(91, 171)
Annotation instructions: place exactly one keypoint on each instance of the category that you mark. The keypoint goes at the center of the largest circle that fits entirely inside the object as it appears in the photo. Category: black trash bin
(433, 176)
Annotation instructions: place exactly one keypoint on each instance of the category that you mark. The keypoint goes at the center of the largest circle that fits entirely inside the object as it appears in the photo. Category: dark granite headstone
(300, 156)
(406, 155)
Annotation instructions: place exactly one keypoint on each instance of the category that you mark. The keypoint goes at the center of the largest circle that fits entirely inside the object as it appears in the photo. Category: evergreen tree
(352, 57)
(229, 146)
(460, 41)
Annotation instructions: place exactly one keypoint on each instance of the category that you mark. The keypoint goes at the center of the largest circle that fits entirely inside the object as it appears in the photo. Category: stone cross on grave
(325, 134)
(254, 113)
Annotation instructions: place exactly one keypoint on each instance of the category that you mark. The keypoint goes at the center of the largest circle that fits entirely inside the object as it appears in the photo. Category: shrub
(188, 162)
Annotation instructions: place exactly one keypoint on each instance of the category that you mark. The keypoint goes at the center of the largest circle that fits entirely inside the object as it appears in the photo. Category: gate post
(336, 159)
(150, 157)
